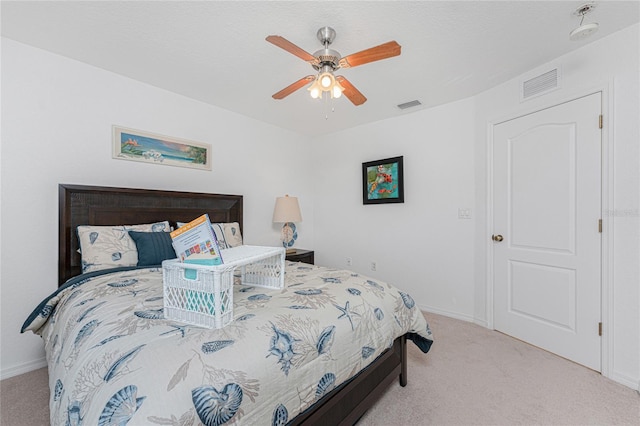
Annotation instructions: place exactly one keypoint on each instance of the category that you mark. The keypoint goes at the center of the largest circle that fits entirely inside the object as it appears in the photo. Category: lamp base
(289, 236)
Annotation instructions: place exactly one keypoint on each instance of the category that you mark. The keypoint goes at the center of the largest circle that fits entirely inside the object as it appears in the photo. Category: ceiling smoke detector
(584, 30)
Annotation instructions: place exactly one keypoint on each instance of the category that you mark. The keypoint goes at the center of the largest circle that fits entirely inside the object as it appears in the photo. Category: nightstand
(305, 256)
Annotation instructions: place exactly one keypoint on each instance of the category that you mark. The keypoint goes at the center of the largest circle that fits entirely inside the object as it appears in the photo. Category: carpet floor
(471, 376)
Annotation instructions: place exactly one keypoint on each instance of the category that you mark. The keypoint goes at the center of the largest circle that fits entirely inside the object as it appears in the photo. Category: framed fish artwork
(137, 145)
(383, 181)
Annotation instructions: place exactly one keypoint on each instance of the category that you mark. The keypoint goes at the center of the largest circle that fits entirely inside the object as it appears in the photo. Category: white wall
(612, 64)
(57, 116)
(419, 245)
(441, 260)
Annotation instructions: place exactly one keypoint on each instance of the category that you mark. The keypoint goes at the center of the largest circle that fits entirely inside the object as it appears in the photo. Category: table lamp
(287, 211)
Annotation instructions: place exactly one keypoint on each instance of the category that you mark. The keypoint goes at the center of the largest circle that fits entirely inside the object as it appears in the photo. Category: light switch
(464, 213)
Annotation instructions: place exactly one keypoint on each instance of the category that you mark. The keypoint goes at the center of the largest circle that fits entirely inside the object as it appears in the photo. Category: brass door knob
(497, 238)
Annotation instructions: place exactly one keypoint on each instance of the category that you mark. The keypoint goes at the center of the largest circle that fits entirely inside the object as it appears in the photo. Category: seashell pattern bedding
(114, 359)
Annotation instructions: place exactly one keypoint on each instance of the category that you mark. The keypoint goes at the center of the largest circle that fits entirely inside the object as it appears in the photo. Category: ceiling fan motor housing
(326, 35)
(327, 57)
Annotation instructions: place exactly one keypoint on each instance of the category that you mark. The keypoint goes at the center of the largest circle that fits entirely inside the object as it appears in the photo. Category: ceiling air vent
(409, 104)
(544, 83)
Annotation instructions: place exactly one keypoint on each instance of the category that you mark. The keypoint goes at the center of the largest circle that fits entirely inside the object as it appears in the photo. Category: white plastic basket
(207, 299)
(259, 266)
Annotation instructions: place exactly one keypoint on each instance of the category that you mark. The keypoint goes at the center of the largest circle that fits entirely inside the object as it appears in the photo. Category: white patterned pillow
(104, 247)
(228, 234)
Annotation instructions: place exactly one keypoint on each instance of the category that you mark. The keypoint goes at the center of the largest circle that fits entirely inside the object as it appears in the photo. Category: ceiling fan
(326, 61)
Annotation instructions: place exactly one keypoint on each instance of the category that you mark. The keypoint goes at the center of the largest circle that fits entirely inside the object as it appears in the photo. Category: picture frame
(383, 181)
(146, 147)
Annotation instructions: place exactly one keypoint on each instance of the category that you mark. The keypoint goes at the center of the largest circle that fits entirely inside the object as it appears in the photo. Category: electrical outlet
(374, 266)
(349, 261)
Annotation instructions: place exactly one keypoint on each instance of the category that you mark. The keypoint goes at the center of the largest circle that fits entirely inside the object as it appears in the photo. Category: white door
(546, 189)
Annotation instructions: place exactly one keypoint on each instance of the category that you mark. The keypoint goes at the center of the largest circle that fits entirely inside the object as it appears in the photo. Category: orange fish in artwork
(386, 177)
(373, 187)
(387, 191)
(131, 142)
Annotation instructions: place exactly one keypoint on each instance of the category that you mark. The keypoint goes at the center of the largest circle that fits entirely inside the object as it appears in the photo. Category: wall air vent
(409, 104)
(543, 83)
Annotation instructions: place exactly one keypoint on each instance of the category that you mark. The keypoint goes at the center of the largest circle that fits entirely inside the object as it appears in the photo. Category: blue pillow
(153, 247)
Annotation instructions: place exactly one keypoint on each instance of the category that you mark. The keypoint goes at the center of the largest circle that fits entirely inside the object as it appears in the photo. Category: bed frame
(94, 205)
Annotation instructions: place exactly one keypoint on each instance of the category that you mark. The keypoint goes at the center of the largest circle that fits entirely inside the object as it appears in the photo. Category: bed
(319, 351)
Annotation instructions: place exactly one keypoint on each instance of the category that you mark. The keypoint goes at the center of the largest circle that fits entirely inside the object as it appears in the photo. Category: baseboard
(630, 382)
(455, 315)
(481, 323)
(23, 368)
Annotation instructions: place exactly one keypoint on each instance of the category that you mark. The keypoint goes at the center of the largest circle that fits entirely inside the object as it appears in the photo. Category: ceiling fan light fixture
(315, 90)
(326, 80)
(336, 92)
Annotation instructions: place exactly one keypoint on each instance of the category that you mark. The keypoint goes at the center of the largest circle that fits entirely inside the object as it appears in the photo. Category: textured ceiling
(215, 51)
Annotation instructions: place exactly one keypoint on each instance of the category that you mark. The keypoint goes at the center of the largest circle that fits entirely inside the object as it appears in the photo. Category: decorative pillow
(228, 234)
(153, 247)
(104, 247)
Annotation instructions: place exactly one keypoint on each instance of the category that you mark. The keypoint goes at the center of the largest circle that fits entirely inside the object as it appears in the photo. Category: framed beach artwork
(137, 145)
(383, 181)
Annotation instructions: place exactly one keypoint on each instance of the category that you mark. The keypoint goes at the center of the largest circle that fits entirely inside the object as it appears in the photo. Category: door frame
(606, 255)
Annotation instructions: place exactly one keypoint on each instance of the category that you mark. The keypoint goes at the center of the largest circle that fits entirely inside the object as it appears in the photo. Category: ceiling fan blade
(293, 87)
(351, 92)
(373, 54)
(285, 44)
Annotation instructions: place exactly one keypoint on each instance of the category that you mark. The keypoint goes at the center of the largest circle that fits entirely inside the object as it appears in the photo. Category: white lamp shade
(286, 210)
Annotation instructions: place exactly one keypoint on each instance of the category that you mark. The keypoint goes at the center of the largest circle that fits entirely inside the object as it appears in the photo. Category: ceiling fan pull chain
(326, 105)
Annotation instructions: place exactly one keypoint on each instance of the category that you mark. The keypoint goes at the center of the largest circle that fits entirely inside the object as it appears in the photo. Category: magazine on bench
(195, 242)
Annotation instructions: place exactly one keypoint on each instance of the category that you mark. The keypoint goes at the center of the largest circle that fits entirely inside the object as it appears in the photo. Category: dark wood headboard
(95, 205)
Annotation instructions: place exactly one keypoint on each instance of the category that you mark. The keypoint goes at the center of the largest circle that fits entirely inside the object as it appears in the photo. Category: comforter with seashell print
(114, 359)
